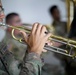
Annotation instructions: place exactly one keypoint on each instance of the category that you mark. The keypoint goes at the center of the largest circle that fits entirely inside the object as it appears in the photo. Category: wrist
(35, 50)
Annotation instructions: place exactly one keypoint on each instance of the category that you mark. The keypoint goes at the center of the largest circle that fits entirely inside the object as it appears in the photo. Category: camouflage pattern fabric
(60, 28)
(13, 57)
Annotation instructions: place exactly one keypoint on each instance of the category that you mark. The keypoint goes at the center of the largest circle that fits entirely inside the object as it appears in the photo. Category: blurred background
(34, 10)
(58, 19)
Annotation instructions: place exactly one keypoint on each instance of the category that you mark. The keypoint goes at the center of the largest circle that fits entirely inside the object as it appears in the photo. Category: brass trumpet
(70, 44)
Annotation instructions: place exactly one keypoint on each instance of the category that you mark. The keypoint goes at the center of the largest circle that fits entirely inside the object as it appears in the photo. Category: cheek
(9, 29)
(19, 24)
(13, 24)
(56, 15)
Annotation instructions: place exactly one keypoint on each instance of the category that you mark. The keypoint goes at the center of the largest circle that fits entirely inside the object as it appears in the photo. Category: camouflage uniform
(12, 58)
(18, 49)
(53, 65)
(7, 62)
(31, 65)
(60, 28)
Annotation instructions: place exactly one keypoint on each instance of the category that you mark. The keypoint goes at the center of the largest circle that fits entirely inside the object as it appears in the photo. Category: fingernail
(36, 23)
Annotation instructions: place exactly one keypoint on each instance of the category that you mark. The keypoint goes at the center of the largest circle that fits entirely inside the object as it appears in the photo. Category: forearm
(32, 65)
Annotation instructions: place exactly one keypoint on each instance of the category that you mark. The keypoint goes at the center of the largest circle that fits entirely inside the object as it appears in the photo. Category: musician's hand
(37, 38)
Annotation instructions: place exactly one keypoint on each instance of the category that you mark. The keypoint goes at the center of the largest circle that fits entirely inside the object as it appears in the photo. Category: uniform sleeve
(32, 65)
(10, 63)
(3, 72)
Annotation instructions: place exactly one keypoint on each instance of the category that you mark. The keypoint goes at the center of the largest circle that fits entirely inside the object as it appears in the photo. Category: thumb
(24, 35)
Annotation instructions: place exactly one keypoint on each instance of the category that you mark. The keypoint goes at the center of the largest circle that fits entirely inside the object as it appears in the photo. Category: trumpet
(69, 44)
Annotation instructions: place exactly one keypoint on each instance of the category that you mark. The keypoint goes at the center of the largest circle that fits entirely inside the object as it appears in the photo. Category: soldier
(32, 62)
(15, 47)
(5, 55)
(60, 27)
